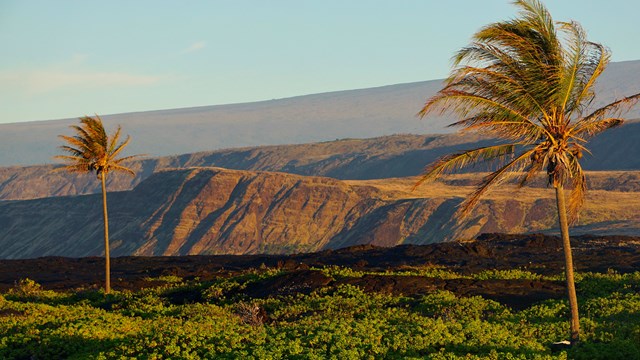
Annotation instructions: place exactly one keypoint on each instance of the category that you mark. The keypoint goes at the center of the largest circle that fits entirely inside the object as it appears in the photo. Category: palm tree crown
(91, 149)
(532, 86)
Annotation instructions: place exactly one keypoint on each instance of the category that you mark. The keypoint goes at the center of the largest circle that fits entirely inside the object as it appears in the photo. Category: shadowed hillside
(385, 157)
(218, 211)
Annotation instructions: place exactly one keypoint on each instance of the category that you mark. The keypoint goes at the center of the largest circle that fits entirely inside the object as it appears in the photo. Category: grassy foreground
(198, 320)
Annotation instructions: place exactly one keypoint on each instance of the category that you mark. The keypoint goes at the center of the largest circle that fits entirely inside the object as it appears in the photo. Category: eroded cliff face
(222, 211)
(218, 211)
(389, 156)
(376, 158)
(189, 211)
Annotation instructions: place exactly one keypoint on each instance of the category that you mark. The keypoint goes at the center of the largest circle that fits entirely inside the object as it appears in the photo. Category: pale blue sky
(64, 59)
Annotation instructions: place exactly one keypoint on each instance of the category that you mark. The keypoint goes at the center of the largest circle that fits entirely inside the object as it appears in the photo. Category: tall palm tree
(531, 85)
(91, 149)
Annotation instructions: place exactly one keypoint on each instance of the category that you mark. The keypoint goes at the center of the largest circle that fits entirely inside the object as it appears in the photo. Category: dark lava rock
(300, 281)
(514, 293)
(537, 253)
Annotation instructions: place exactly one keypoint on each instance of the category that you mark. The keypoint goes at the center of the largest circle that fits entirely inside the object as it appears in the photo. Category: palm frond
(493, 179)
(533, 170)
(114, 149)
(71, 150)
(462, 102)
(460, 160)
(70, 159)
(524, 132)
(75, 142)
(578, 191)
(584, 130)
(592, 66)
(612, 108)
(575, 55)
(504, 58)
(113, 140)
(116, 167)
(503, 77)
(128, 158)
(72, 164)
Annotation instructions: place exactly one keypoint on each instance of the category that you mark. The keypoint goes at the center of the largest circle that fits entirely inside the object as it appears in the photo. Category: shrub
(26, 287)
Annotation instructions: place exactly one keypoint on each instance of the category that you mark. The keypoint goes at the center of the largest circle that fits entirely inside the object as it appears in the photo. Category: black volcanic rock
(591, 253)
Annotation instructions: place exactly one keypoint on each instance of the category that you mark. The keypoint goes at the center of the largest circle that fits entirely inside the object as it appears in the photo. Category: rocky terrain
(217, 211)
(300, 198)
(536, 253)
(384, 157)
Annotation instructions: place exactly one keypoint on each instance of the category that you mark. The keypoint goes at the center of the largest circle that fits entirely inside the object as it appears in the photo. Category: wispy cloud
(41, 81)
(78, 59)
(196, 46)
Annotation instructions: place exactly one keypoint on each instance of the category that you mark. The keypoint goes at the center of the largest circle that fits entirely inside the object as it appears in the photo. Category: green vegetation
(194, 319)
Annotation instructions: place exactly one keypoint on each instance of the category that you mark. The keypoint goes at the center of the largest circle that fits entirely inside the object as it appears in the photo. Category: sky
(69, 58)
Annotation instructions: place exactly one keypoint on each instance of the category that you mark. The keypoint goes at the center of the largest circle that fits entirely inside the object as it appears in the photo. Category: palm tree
(531, 85)
(91, 149)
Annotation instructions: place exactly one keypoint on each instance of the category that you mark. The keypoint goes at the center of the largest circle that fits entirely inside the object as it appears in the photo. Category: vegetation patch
(219, 319)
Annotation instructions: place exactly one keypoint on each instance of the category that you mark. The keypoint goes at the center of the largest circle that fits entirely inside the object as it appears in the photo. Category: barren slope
(217, 211)
(385, 157)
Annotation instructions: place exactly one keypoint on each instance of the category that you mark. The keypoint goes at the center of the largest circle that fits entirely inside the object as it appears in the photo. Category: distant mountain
(217, 211)
(321, 117)
(384, 157)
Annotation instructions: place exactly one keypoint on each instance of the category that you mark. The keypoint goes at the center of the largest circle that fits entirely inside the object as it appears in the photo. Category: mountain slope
(320, 117)
(385, 157)
(218, 211)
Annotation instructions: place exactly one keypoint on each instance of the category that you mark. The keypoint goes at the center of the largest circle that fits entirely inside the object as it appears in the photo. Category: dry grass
(600, 206)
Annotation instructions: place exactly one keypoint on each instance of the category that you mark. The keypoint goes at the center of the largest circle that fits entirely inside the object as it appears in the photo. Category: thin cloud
(196, 46)
(51, 80)
(78, 59)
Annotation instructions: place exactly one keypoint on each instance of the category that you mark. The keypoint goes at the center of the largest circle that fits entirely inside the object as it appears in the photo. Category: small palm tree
(91, 149)
(531, 86)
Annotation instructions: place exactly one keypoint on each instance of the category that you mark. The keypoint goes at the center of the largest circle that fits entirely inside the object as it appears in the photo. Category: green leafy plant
(343, 322)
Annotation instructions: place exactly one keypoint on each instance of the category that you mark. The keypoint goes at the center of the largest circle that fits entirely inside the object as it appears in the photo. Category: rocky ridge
(219, 211)
(360, 159)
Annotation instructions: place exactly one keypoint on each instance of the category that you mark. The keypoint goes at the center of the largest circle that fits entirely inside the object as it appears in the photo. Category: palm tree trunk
(107, 285)
(568, 263)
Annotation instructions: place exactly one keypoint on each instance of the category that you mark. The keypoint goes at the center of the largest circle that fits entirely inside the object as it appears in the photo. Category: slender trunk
(568, 263)
(107, 284)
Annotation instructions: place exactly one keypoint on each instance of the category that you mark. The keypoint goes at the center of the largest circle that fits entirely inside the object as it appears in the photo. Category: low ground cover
(192, 319)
